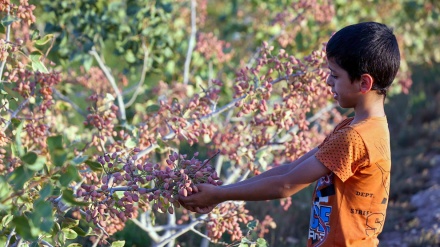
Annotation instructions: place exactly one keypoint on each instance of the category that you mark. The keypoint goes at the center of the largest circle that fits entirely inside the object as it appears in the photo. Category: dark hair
(366, 48)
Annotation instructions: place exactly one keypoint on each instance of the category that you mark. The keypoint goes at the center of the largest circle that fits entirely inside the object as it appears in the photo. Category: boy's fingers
(184, 200)
(203, 210)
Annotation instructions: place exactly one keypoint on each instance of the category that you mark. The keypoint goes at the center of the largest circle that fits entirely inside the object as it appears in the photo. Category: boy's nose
(329, 81)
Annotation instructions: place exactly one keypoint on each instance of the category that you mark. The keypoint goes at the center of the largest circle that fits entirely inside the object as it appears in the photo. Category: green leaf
(30, 158)
(42, 216)
(33, 161)
(8, 20)
(118, 244)
(37, 65)
(153, 108)
(88, 62)
(130, 57)
(33, 244)
(94, 166)
(244, 242)
(62, 238)
(15, 122)
(79, 159)
(46, 191)
(20, 176)
(6, 220)
(55, 142)
(69, 233)
(18, 144)
(56, 150)
(44, 40)
(70, 199)
(130, 143)
(23, 227)
(81, 232)
(261, 242)
(252, 224)
(58, 157)
(69, 223)
(5, 191)
(70, 175)
(75, 245)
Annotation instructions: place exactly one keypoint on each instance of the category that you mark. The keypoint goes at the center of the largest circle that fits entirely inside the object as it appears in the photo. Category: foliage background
(145, 44)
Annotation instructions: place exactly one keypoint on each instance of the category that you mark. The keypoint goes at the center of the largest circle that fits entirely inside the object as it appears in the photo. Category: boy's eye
(334, 76)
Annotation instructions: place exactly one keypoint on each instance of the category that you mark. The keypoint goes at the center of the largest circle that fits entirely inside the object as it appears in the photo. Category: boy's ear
(366, 83)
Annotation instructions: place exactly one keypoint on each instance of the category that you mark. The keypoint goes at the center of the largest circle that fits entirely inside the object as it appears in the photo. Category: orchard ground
(414, 211)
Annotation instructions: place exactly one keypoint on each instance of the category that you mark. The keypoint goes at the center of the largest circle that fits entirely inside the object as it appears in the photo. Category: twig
(142, 79)
(127, 188)
(97, 240)
(201, 234)
(207, 161)
(147, 150)
(145, 224)
(311, 119)
(191, 42)
(10, 236)
(168, 233)
(112, 81)
(50, 48)
(188, 227)
(46, 243)
(66, 99)
(232, 177)
(14, 114)
(231, 104)
(19, 242)
(218, 164)
(8, 37)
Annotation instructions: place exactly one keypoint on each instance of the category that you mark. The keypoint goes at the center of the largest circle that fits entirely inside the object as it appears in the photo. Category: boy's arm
(280, 170)
(265, 188)
(283, 169)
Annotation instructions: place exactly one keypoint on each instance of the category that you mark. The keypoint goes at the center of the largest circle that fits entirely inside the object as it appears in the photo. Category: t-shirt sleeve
(343, 152)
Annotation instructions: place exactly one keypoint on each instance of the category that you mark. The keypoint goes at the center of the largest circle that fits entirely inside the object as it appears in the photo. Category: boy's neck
(370, 106)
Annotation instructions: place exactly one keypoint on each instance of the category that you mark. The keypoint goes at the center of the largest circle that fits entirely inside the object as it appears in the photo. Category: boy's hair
(366, 48)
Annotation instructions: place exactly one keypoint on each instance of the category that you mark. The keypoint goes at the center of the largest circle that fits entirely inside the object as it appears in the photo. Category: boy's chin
(345, 106)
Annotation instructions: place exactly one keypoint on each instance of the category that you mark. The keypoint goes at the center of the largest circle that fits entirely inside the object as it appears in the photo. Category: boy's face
(344, 90)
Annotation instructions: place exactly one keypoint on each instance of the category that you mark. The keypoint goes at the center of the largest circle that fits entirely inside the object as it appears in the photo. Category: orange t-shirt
(349, 204)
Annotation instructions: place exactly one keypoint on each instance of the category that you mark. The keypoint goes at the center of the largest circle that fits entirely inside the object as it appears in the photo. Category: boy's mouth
(334, 95)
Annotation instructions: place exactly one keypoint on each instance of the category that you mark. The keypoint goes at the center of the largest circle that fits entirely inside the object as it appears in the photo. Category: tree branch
(66, 99)
(231, 104)
(97, 240)
(14, 114)
(147, 150)
(311, 119)
(10, 236)
(112, 81)
(142, 79)
(191, 42)
(183, 230)
(46, 243)
(128, 188)
(146, 226)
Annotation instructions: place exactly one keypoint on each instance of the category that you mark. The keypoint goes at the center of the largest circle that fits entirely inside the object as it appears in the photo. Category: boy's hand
(204, 210)
(203, 201)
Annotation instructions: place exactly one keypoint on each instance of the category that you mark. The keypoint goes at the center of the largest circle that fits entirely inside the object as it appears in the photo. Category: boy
(352, 165)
